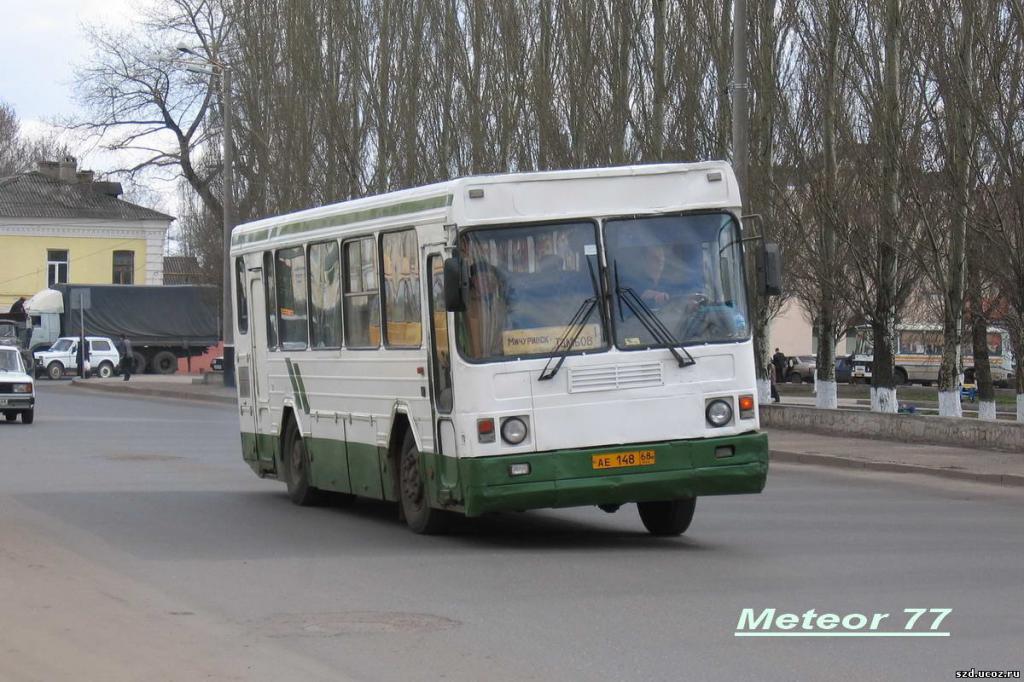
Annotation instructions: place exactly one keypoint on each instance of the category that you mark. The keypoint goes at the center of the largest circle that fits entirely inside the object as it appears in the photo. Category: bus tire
(296, 468)
(671, 517)
(412, 491)
(900, 377)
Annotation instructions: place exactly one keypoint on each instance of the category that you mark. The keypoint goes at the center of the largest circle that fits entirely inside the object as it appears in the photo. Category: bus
(506, 342)
(919, 355)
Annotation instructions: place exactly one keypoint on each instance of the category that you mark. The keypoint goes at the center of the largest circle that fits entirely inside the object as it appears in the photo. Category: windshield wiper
(574, 329)
(651, 322)
(568, 340)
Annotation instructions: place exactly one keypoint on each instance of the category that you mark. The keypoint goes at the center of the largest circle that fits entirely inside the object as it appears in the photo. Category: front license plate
(614, 460)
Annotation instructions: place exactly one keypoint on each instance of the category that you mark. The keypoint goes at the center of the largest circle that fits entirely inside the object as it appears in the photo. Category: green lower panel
(329, 464)
(567, 478)
(259, 450)
(364, 470)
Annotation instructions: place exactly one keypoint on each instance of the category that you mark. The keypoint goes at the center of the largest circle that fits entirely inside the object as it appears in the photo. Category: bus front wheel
(296, 468)
(671, 517)
(419, 515)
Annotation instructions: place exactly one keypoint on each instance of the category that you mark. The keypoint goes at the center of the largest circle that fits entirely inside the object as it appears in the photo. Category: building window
(124, 267)
(402, 314)
(362, 302)
(56, 267)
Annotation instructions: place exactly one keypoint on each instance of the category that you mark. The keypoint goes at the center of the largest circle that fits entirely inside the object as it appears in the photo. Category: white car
(62, 357)
(17, 388)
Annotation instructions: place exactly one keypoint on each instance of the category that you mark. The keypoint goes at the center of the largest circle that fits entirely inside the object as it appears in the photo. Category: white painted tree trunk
(949, 404)
(827, 397)
(764, 391)
(1020, 407)
(884, 400)
(987, 410)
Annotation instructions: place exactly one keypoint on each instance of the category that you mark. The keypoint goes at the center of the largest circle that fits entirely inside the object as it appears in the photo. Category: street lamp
(228, 203)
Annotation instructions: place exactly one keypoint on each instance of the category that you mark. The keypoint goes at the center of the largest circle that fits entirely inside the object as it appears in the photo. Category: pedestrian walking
(772, 380)
(124, 347)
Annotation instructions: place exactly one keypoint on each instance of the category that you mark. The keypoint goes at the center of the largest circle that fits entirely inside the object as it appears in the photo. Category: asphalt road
(156, 492)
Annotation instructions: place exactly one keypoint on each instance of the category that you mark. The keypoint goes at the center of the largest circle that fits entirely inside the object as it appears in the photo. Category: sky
(41, 42)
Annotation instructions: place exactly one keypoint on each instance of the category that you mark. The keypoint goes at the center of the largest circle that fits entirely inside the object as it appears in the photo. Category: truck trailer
(164, 323)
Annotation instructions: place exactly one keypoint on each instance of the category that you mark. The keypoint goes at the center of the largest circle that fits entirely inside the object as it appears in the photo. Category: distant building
(59, 225)
(182, 270)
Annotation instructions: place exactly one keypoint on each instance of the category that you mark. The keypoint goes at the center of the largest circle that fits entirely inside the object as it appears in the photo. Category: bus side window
(325, 298)
(241, 305)
(402, 310)
(269, 293)
(290, 275)
(362, 300)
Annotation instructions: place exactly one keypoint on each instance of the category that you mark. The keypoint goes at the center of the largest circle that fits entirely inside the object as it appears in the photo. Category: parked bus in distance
(919, 355)
(506, 342)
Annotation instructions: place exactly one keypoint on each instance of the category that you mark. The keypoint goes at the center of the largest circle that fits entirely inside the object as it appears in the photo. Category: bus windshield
(687, 269)
(526, 284)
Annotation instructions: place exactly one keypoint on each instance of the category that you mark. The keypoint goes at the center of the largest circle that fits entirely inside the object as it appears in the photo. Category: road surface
(136, 544)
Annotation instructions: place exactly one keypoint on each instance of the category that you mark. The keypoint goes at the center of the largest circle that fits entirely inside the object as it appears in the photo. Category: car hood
(14, 378)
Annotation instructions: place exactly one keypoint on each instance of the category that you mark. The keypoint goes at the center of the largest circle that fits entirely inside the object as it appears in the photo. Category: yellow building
(58, 225)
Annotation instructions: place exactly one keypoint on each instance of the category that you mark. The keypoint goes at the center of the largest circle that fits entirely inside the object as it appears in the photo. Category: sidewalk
(180, 386)
(983, 466)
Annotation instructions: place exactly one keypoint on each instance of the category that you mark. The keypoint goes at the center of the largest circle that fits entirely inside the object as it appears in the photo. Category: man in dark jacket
(779, 360)
(127, 358)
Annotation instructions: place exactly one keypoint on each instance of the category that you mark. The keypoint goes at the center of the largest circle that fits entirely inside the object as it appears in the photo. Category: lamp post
(228, 204)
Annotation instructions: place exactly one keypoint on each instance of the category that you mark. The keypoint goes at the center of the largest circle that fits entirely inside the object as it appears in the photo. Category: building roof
(35, 195)
(182, 270)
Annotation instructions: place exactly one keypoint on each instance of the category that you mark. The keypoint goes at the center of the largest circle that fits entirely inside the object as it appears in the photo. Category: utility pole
(229, 224)
(228, 203)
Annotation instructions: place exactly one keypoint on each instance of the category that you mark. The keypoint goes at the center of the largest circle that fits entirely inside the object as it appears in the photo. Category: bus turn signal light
(746, 407)
(485, 430)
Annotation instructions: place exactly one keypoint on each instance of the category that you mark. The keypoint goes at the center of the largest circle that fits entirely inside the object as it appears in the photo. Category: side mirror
(770, 269)
(454, 285)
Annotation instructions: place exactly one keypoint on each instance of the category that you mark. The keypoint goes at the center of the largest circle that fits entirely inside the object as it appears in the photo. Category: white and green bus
(506, 342)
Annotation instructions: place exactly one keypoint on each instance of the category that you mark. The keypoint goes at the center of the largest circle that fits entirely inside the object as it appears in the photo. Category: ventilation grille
(243, 382)
(611, 377)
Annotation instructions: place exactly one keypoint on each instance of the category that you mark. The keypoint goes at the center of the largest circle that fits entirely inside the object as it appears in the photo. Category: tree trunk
(883, 382)
(960, 133)
(826, 393)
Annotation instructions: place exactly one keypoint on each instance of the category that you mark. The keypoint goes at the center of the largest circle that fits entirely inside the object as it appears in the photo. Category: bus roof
(516, 197)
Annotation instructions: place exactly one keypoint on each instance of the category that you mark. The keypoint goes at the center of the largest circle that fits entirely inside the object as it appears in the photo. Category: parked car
(844, 369)
(801, 368)
(17, 388)
(62, 357)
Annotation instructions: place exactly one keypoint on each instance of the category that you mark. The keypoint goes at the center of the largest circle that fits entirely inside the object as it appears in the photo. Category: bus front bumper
(567, 478)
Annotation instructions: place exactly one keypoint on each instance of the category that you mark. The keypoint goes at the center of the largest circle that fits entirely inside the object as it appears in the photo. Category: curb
(893, 467)
(156, 393)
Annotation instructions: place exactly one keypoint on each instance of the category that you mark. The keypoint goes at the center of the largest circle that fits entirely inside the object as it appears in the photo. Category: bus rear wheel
(419, 515)
(671, 517)
(296, 469)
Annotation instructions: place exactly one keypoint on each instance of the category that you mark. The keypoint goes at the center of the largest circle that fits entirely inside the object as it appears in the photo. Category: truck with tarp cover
(163, 323)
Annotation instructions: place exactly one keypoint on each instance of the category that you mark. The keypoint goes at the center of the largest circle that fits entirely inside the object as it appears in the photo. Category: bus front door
(442, 398)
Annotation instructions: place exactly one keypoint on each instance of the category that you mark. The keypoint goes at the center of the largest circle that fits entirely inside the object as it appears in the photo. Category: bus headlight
(513, 430)
(718, 412)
